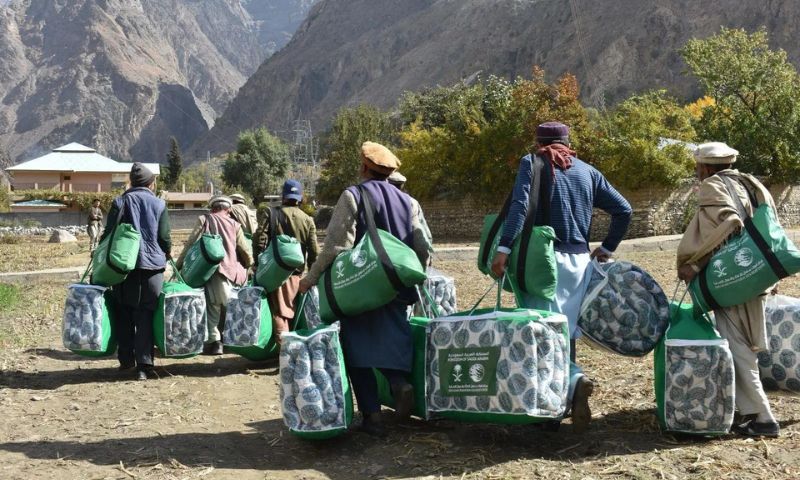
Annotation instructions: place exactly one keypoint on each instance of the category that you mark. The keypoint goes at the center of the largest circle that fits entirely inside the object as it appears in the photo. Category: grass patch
(9, 295)
(10, 239)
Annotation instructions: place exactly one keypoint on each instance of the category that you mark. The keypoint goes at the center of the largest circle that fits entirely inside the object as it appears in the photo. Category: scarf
(559, 156)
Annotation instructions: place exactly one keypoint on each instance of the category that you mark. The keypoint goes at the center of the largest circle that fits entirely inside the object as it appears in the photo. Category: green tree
(466, 141)
(341, 147)
(756, 93)
(633, 147)
(172, 172)
(259, 164)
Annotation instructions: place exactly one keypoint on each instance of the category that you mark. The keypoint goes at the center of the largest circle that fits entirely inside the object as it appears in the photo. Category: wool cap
(237, 198)
(397, 179)
(220, 201)
(141, 176)
(292, 190)
(550, 131)
(715, 153)
(379, 158)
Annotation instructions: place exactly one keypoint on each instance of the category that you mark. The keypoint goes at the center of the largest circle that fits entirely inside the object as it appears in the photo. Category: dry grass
(220, 418)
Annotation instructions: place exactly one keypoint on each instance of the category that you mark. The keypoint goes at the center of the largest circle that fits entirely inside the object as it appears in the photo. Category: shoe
(141, 375)
(123, 366)
(372, 425)
(213, 348)
(144, 372)
(403, 394)
(581, 413)
(751, 428)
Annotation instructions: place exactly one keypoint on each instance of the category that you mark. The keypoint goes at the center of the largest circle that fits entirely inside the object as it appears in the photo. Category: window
(67, 177)
(175, 206)
(198, 205)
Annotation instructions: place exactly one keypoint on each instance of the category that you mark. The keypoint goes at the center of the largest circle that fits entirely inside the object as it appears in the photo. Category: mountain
(369, 51)
(125, 75)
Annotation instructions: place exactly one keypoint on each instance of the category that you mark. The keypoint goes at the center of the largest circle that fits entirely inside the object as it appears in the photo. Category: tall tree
(756, 93)
(172, 173)
(341, 147)
(259, 164)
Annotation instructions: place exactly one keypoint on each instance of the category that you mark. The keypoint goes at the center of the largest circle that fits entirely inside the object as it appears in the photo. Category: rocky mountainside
(353, 51)
(125, 75)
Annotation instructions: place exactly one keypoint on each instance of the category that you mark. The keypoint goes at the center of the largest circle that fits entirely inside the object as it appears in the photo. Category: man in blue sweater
(574, 188)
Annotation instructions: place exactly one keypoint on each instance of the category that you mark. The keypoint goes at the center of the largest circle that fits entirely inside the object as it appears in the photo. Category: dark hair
(291, 202)
(96, 200)
(377, 175)
(716, 168)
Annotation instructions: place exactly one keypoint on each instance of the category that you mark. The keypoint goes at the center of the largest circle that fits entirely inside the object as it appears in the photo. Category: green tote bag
(369, 275)
(532, 263)
(750, 262)
(203, 258)
(282, 257)
(116, 256)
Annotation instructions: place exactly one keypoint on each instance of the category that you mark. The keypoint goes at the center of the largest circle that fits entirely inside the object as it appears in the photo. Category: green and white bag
(748, 263)
(315, 394)
(282, 257)
(248, 325)
(532, 263)
(88, 328)
(179, 323)
(116, 256)
(369, 275)
(203, 258)
(498, 366)
(306, 315)
(694, 380)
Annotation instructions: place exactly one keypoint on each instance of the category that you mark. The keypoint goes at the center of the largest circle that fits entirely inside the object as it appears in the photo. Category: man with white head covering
(243, 214)
(742, 325)
(232, 270)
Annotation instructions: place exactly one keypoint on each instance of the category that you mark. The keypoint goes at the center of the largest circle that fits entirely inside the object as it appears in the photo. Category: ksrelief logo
(744, 257)
(476, 372)
(358, 258)
(719, 268)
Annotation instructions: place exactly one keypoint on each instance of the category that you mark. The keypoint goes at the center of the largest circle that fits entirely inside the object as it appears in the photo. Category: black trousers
(365, 386)
(136, 299)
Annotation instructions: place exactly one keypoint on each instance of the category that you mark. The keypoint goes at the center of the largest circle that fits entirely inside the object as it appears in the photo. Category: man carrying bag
(717, 219)
(569, 190)
(294, 222)
(380, 338)
(137, 296)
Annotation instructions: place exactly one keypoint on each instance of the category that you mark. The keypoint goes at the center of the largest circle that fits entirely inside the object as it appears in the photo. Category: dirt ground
(216, 418)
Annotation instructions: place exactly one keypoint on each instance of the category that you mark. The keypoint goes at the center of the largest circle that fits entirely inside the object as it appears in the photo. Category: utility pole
(305, 156)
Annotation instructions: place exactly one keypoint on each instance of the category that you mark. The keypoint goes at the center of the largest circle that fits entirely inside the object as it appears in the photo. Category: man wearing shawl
(742, 325)
(573, 189)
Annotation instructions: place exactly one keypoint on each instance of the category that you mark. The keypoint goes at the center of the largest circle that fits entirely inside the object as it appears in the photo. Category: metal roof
(75, 157)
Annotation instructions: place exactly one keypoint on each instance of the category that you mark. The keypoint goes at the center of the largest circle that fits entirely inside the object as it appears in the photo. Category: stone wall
(179, 219)
(656, 211)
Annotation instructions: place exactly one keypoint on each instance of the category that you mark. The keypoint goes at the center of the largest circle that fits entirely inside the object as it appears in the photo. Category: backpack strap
(535, 200)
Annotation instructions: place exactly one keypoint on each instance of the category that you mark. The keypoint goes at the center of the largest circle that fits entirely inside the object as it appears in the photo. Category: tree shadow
(415, 449)
(53, 379)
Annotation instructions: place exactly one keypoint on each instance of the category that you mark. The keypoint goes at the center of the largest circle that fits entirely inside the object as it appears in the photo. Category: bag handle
(496, 283)
(495, 228)
(372, 231)
(433, 310)
(175, 272)
(534, 200)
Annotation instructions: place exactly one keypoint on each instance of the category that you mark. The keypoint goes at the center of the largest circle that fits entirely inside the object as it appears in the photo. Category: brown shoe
(581, 412)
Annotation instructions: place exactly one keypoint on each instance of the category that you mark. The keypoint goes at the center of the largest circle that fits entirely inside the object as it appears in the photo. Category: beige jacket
(246, 217)
(714, 222)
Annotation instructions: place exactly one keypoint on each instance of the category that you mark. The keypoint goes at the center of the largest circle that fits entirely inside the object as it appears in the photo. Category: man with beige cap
(232, 270)
(243, 214)
(742, 325)
(380, 338)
